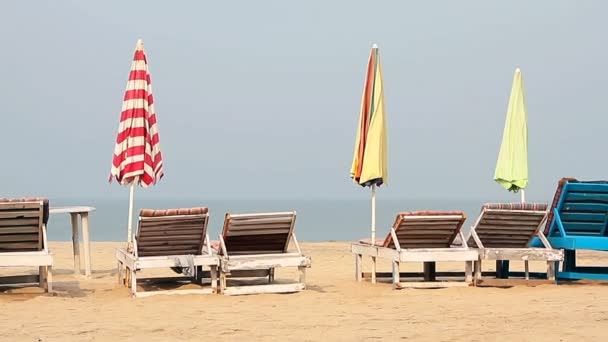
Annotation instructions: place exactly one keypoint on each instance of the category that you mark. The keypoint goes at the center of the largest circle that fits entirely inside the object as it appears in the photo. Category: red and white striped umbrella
(137, 156)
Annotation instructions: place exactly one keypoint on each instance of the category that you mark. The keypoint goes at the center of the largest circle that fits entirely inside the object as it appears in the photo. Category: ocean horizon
(317, 219)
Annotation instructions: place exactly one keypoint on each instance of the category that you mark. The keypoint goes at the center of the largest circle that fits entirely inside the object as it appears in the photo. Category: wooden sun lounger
(23, 241)
(503, 232)
(421, 236)
(253, 245)
(173, 238)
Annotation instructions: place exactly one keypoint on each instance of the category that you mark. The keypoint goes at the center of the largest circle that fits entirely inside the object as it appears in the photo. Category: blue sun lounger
(578, 221)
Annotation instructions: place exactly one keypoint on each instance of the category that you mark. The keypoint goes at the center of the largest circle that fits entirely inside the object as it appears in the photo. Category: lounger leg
(271, 275)
(222, 281)
(527, 269)
(569, 264)
(133, 282)
(358, 262)
(468, 271)
(41, 277)
(373, 270)
(119, 272)
(396, 279)
(477, 266)
(302, 271)
(551, 266)
(49, 279)
(213, 272)
(429, 271)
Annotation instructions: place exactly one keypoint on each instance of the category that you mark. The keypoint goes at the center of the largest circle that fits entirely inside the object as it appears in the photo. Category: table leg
(86, 242)
(75, 243)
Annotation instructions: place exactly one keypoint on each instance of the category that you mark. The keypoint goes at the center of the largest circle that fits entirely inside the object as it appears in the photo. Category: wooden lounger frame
(429, 255)
(129, 263)
(507, 234)
(253, 245)
(23, 243)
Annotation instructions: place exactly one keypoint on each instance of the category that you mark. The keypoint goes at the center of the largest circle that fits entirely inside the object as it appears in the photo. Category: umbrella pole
(373, 231)
(130, 225)
(523, 196)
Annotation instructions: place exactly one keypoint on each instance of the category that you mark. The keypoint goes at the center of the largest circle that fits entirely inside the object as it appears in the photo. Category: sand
(333, 308)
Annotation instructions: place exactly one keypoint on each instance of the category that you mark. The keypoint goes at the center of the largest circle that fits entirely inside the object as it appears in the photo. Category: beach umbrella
(369, 166)
(137, 157)
(512, 165)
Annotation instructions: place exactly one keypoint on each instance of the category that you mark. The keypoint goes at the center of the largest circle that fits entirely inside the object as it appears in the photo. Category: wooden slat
(19, 214)
(447, 232)
(586, 197)
(496, 228)
(587, 187)
(509, 222)
(408, 222)
(19, 238)
(172, 225)
(19, 230)
(290, 214)
(195, 238)
(16, 246)
(261, 226)
(251, 232)
(584, 207)
(583, 217)
(20, 205)
(260, 221)
(586, 226)
(169, 233)
(182, 249)
(178, 244)
(18, 222)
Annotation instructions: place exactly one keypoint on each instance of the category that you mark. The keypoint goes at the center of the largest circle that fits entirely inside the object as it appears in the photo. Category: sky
(260, 99)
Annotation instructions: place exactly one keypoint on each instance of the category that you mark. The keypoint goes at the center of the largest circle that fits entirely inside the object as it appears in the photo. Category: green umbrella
(512, 166)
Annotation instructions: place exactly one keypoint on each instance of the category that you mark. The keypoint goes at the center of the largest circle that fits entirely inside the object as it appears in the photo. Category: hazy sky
(261, 98)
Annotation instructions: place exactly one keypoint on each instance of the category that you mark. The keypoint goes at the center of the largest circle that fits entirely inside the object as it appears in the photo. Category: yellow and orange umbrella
(370, 166)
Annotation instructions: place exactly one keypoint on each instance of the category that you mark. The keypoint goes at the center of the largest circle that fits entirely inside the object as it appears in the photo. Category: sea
(316, 220)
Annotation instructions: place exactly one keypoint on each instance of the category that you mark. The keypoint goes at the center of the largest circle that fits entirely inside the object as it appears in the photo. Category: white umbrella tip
(517, 70)
(140, 42)
(374, 46)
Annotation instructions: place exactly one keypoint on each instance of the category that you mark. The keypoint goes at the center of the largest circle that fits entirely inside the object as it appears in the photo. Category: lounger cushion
(516, 206)
(173, 212)
(45, 204)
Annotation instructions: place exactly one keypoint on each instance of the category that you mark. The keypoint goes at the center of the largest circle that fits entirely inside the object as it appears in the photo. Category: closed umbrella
(512, 165)
(137, 156)
(370, 167)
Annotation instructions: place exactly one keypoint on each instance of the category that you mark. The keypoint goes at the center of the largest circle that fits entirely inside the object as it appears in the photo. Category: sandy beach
(333, 308)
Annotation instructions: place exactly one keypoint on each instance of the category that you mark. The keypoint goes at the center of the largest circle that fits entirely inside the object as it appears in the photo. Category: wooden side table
(78, 214)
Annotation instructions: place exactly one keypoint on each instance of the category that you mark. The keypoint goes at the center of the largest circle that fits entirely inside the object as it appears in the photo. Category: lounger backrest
(583, 209)
(508, 225)
(262, 233)
(21, 226)
(426, 229)
(172, 231)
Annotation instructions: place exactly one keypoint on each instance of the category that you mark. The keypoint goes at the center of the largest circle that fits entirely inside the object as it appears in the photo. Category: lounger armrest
(44, 238)
(558, 221)
(463, 239)
(395, 239)
(135, 246)
(207, 243)
(476, 238)
(223, 249)
(295, 242)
